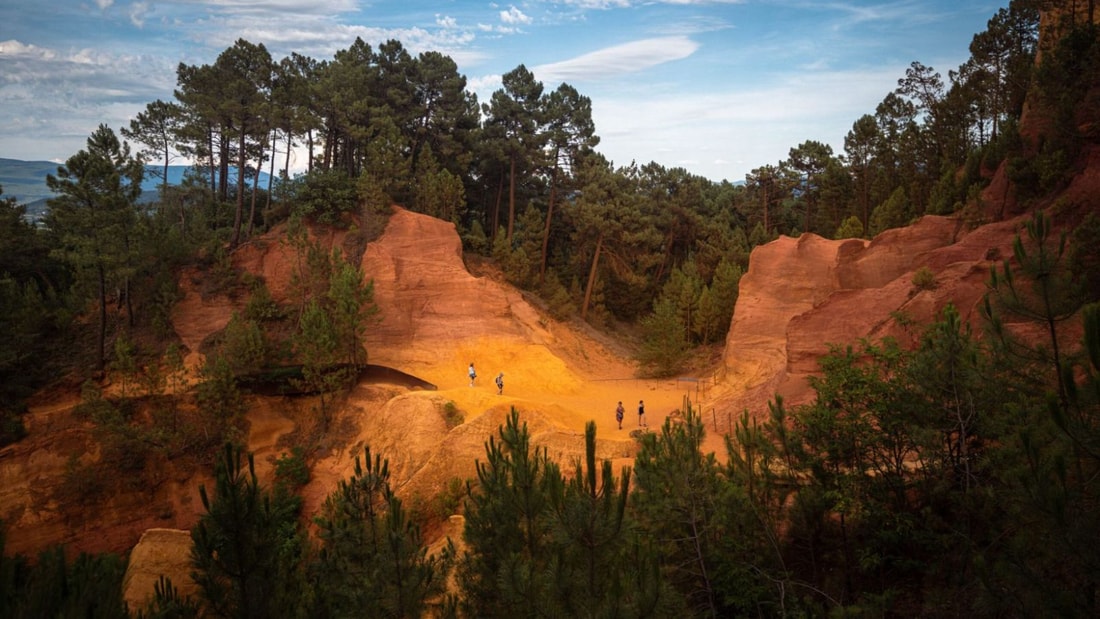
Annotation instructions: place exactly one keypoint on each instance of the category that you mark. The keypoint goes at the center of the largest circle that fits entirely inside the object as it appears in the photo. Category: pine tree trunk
(591, 278)
(549, 218)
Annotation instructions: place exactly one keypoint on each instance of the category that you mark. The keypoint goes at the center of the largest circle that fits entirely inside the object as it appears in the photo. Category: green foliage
(261, 307)
(558, 300)
(242, 543)
(664, 347)
(440, 193)
(541, 543)
(350, 303)
(475, 240)
(507, 528)
(851, 228)
(676, 500)
(220, 401)
(95, 218)
(924, 279)
(243, 345)
(375, 209)
(517, 265)
(1062, 88)
(89, 586)
(1085, 256)
(31, 313)
(292, 470)
(167, 603)
(452, 415)
(448, 502)
(372, 561)
(326, 196)
(316, 344)
(1039, 287)
(947, 194)
(893, 213)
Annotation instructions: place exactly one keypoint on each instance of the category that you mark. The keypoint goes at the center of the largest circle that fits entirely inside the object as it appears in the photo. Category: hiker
(619, 411)
(500, 383)
(641, 415)
(472, 373)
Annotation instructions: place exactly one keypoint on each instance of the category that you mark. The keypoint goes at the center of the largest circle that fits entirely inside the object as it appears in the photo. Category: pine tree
(95, 215)
(373, 561)
(241, 543)
(601, 568)
(508, 526)
(676, 501)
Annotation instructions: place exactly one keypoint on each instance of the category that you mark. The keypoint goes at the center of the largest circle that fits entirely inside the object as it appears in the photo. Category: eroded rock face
(436, 317)
(801, 295)
(159, 552)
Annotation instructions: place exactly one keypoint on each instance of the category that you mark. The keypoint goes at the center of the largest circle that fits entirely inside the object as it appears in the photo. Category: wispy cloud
(617, 60)
(850, 15)
(622, 4)
(138, 13)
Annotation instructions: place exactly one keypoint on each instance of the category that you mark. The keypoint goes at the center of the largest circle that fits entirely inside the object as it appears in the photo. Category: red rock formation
(801, 295)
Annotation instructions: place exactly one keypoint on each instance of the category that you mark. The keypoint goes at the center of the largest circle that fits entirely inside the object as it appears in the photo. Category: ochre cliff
(801, 295)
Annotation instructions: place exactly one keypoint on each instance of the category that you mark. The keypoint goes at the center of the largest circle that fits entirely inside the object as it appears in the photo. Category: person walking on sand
(619, 411)
(500, 383)
(641, 415)
(472, 373)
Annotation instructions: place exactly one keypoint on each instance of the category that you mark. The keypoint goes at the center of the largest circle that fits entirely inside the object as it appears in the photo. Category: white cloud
(138, 12)
(275, 7)
(15, 49)
(610, 61)
(598, 5)
(484, 85)
(58, 98)
(514, 16)
(104, 4)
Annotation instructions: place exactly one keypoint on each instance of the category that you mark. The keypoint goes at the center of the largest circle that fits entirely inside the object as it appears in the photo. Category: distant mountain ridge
(26, 182)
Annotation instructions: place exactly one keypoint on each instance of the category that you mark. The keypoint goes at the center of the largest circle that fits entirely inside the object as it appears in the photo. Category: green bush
(448, 501)
(452, 415)
(924, 279)
(850, 228)
(291, 469)
(325, 196)
(260, 305)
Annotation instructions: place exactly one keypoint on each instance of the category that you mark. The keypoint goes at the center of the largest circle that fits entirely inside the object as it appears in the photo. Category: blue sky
(716, 87)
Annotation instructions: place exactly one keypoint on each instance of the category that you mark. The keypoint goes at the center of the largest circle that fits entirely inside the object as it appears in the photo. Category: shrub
(924, 279)
(449, 500)
(326, 195)
(850, 228)
(260, 305)
(291, 469)
(452, 415)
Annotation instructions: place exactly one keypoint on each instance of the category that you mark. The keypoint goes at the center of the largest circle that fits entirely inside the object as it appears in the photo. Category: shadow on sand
(289, 380)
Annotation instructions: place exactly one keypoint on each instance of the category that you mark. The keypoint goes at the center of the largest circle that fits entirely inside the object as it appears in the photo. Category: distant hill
(26, 182)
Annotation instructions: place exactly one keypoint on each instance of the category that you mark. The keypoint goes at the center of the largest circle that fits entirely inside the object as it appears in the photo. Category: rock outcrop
(801, 295)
